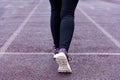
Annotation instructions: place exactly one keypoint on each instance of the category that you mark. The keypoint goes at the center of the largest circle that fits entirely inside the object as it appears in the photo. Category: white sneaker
(63, 63)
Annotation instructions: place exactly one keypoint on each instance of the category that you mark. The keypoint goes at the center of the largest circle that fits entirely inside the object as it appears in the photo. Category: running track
(26, 42)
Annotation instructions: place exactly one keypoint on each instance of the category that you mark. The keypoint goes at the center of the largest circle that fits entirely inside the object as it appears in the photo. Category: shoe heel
(62, 61)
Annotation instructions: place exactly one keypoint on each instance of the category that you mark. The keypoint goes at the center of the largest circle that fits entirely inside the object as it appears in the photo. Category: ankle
(63, 50)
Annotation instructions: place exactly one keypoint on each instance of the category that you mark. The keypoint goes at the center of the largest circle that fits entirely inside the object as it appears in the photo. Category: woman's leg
(67, 22)
(55, 21)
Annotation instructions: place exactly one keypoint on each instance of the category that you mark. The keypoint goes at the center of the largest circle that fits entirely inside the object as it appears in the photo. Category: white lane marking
(91, 7)
(14, 35)
(44, 53)
(114, 40)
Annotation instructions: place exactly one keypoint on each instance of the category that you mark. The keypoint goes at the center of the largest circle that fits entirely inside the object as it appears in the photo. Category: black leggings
(62, 22)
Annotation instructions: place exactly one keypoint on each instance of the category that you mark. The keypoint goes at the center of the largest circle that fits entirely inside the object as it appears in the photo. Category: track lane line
(19, 29)
(44, 53)
(107, 34)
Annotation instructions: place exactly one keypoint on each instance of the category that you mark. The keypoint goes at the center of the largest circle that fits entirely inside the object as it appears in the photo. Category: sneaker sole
(62, 61)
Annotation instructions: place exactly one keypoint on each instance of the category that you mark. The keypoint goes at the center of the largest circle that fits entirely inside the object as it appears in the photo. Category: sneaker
(62, 61)
(56, 51)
